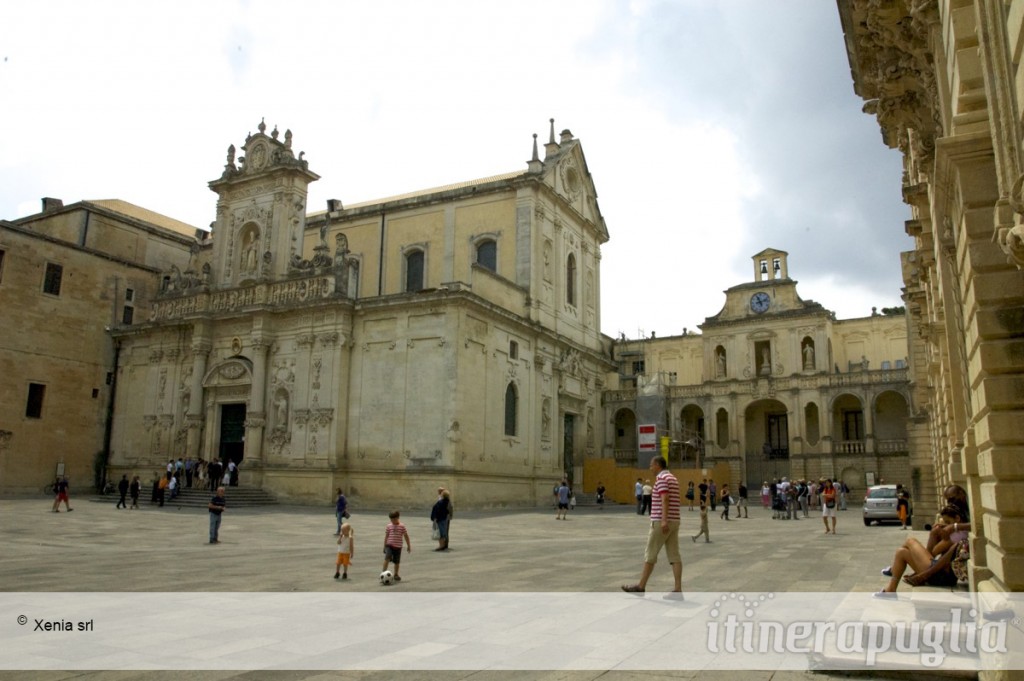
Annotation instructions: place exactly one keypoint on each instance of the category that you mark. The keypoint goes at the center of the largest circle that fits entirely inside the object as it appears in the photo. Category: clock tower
(765, 329)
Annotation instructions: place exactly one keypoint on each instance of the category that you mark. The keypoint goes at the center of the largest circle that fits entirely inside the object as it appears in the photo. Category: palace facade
(775, 386)
(944, 80)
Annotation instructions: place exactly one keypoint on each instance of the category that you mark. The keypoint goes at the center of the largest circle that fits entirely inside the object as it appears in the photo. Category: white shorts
(827, 512)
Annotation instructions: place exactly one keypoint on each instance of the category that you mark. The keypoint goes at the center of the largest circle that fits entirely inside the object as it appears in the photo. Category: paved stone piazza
(280, 549)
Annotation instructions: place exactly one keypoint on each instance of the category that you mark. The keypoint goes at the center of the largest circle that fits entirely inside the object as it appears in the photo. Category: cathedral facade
(445, 337)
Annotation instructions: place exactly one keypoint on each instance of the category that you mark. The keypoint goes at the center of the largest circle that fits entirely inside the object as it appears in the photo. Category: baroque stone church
(445, 337)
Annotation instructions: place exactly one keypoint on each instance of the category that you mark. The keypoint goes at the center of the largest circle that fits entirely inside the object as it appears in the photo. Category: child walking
(346, 549)
(393, 535)
(903, 508)
(703, 522)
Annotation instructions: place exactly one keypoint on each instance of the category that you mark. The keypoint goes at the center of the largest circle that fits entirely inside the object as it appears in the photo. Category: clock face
(760, 302)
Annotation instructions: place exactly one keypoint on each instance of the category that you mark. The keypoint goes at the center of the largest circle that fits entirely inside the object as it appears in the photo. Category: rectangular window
(128, 312)
(886, 364)
(34, 407)
(513, 350)
(51, 280)
(901, 364)
(638, 367)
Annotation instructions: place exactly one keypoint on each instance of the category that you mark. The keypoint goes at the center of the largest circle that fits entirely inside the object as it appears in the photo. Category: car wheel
(867, 523)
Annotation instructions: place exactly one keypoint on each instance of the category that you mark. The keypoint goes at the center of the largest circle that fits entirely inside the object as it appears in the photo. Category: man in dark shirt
(122, 488)
(217, 506)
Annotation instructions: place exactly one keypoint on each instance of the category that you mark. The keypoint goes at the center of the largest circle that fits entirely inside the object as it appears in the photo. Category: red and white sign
(647, 438)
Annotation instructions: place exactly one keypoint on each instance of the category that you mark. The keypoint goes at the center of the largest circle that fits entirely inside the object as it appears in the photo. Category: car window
(882, 493)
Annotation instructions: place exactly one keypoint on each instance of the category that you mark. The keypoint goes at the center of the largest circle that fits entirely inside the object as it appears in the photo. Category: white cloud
(701, 142)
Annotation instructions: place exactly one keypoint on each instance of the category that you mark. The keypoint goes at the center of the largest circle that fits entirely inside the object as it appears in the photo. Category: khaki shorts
(657, 539)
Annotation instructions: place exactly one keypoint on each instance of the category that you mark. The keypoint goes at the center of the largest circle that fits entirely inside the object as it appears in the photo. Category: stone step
(237, 497)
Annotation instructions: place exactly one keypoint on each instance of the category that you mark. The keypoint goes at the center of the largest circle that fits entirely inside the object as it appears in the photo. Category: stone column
(256, 415)
(194, 418)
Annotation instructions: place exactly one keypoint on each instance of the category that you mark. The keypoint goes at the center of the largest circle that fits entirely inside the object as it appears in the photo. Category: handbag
(436, 532)
(960, 559)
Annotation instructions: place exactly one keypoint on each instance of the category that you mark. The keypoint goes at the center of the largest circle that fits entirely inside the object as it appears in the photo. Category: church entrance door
(232, 432)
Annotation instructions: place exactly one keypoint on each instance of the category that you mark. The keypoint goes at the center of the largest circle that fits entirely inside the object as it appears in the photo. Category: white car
(880, 504)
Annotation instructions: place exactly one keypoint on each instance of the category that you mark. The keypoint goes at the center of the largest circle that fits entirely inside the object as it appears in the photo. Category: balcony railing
(628, 456)
(891, 446)
(849, 447)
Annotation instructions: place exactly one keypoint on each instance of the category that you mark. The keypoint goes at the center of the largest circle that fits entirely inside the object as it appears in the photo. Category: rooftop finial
(534, 164)
(275, 133)
(551, 148)
(262, 127)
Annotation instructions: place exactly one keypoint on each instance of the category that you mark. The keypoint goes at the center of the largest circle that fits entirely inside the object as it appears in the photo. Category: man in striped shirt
(664, 530)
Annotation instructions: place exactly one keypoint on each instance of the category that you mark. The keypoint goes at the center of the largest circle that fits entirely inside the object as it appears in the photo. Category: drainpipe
(85, 229)
(380, 260)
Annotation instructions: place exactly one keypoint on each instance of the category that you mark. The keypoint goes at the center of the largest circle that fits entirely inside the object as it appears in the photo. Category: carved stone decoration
(236, 346)
(255, 420)
(1011, 239)
(278, 440)
(569, 362)
(545, 420)
(281, 402)
(590, 427)
(232, 370)
(897, 70)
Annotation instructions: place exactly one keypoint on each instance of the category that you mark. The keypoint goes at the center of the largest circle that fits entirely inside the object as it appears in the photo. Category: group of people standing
(791, 500)
(192, 473)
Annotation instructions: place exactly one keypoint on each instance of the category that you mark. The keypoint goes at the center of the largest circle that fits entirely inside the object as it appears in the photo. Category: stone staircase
(237, 497)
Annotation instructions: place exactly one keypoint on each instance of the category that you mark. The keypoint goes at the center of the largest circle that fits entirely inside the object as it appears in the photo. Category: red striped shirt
(393, 535)
(665, 485)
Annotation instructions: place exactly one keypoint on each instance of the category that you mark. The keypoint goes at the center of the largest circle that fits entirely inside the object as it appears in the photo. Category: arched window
(414, 271)
(570, 279)
(511, 410)
(487, 254)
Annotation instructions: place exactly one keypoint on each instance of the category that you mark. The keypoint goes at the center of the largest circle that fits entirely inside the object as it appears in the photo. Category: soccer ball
(387, 578)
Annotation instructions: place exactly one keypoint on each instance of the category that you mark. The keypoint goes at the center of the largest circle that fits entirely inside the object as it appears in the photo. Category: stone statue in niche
(249, 253)
(766, 362)
(808, 357)
(281, 410)
(720, 364)
(545, 421)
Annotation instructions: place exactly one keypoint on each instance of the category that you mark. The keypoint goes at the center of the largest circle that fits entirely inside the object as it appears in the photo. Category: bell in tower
(777, 270)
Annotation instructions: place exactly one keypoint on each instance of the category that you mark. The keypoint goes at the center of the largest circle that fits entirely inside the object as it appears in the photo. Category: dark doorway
(568, 429)
(777, 435)
(232, 432)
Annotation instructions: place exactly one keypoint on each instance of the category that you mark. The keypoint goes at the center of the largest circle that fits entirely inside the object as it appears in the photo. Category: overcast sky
(712, 129)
